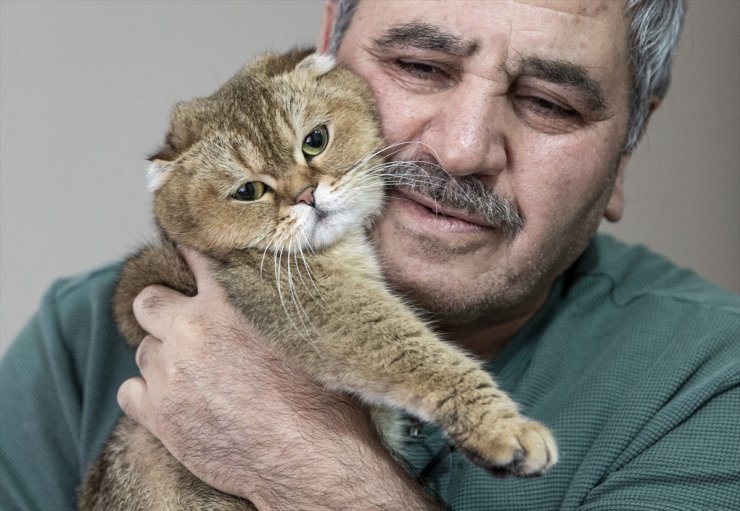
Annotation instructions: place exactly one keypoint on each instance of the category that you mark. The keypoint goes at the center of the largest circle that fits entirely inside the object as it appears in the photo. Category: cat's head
(283, 156)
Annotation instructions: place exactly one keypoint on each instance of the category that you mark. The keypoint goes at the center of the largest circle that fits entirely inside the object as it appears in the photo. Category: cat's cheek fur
(332, 228)
(339, 212)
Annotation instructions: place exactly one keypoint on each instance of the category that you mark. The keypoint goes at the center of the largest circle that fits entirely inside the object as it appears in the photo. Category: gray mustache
(467, 193)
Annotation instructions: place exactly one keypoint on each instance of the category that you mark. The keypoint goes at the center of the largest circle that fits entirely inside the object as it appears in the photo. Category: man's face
(529, 98)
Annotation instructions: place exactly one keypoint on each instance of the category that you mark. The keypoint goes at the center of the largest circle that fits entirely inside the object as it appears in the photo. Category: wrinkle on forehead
(586, 9)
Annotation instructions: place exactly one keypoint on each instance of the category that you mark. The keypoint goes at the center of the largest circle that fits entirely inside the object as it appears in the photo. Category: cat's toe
(540, 449)
(521, 448)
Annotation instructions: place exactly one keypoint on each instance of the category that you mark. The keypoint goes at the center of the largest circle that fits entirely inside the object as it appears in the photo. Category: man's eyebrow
(568, 74)
(425, 36)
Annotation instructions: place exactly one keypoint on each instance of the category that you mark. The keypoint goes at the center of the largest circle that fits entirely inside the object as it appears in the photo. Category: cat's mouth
(320, 215)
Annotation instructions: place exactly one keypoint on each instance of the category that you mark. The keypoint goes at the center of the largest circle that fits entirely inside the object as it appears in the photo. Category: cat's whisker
(309, 273)
(411, 142)
(305, 317)
(386, 150)
(278, 281)
(264, 255)
(277, 255)
(296, 254)
(257, 240)
(282, 243)
(299, 252)
(291, 288)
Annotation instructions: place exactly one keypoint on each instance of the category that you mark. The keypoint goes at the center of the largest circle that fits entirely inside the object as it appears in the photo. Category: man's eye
(548, 108)
(419, 69)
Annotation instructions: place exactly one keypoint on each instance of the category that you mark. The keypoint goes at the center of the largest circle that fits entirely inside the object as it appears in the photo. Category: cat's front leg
(387, 355)
(485, 424)
(449, 389)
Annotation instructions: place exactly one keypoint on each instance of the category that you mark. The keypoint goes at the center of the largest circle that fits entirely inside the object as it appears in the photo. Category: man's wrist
(372, 484)
(351, 471)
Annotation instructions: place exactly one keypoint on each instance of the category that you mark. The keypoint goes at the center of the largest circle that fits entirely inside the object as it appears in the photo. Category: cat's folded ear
(156, 174)
(317, 64)
(179, 138)
(297, 59)
(273, 64)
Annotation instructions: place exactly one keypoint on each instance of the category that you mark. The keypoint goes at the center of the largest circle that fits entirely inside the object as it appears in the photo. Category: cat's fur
(303, 275)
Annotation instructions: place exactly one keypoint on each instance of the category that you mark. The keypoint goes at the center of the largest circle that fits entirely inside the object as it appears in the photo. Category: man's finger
(134, 401)
(154, 309)
(147, 354)
(200, 266)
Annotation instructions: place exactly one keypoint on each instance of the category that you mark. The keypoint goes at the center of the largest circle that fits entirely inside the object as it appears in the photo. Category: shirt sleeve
(57, 394)
(686, 459)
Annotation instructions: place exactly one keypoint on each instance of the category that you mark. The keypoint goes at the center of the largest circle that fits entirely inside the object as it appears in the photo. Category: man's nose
(465, 133)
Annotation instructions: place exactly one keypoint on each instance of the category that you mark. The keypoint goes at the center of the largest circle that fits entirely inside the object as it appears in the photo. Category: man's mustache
(467, 193)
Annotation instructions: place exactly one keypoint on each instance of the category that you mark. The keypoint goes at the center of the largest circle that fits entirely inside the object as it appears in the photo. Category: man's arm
(247, 424)
(58, 382)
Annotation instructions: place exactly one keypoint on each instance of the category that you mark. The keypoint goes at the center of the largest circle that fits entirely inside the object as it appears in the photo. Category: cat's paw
(516, 446)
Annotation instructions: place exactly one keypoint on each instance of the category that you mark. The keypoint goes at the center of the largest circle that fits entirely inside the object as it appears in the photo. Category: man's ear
(330, 12)
(615, 206)
(654, 104)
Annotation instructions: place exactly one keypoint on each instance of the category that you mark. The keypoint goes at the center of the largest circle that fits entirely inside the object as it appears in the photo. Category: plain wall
(86, 88)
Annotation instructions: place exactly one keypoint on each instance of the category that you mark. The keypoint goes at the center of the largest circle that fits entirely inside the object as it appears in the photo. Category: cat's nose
(306, 196)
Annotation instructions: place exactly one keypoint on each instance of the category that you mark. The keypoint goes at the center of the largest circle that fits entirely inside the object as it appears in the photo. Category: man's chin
(441, 302)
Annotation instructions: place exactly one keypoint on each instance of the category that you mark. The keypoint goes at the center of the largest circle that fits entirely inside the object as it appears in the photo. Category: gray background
(86, 88)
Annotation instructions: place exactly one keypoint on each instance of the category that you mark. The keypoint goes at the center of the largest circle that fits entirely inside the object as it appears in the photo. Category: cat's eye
(315, 142)
(250, 191)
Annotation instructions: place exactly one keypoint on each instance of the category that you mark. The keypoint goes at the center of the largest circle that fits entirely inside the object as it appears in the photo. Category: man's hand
(246, 423)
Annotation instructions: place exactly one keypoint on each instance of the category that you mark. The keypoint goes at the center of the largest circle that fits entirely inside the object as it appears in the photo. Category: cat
(276, 177)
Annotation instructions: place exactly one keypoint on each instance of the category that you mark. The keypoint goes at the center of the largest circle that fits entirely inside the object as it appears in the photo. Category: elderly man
(631, 362)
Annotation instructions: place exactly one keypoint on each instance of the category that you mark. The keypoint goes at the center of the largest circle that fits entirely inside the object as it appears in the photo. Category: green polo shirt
(632, 362)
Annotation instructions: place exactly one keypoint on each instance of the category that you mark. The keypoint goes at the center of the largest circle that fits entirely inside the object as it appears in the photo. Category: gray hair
(655, 28)
(653, 37)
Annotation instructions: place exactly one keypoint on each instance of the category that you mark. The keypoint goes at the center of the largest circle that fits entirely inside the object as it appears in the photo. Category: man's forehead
(485, 16)
(592, 33)
(585, 8)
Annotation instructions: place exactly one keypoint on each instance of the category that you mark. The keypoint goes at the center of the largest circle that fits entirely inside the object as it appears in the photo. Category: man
(632, 362)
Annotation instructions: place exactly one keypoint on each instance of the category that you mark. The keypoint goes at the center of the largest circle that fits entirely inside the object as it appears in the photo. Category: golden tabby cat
(275, 177)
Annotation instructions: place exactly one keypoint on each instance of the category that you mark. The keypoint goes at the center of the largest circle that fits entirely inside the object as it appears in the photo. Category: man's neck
(486, 339)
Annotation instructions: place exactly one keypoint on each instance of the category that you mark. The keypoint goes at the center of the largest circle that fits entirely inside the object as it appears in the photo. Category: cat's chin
(328, 230)
(324, 228)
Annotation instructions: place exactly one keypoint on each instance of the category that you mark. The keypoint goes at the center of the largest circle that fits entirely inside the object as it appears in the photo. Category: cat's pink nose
(306, 196)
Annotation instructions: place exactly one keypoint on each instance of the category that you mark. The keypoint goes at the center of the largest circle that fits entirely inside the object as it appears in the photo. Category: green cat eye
(315, 142)
(250, 191)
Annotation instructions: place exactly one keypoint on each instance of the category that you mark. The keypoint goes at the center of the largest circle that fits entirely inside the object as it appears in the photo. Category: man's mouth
(461, 200)
(440, 210)
(437, 219)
